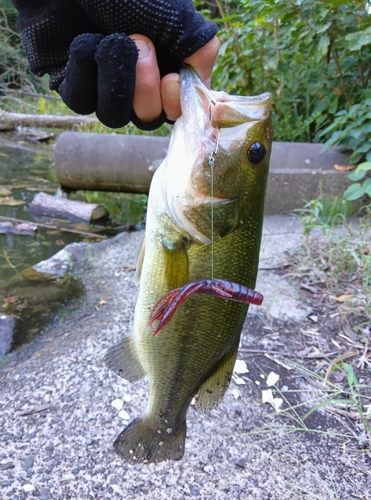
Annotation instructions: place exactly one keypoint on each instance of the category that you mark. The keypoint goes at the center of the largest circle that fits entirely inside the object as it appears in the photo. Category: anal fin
(212, 391)
(122, 360)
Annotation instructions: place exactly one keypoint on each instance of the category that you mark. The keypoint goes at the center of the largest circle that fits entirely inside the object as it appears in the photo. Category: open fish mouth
(211, 122)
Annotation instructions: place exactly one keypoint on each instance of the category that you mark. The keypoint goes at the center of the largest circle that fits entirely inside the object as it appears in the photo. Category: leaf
(359, 39)
(354, 192)
(337, 3)
(344, 168)
(356, 175)
(323, 44)
(367, 186)
(323, 28)
(351, 376)
(360, 172)
(343, 297)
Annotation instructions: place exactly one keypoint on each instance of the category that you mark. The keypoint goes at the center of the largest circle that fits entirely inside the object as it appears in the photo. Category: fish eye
(256, 153)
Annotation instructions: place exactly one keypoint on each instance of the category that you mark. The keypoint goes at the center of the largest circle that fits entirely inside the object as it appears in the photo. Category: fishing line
(212, 164)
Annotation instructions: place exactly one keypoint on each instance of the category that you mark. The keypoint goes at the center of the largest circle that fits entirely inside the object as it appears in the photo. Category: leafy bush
(351, 130)
(314, 56)
(357, 190)
(15, 76)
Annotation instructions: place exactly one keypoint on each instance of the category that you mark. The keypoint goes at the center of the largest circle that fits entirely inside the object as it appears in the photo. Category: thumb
(204, 59)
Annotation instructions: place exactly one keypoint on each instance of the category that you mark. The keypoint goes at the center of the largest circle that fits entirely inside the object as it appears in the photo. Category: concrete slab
(299, 172)
(125, 163)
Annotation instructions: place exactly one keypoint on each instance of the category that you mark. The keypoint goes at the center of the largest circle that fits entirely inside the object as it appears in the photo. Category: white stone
(117, 403)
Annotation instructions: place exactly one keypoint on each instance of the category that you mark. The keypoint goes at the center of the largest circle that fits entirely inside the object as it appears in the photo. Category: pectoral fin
(223, 216)
(122, 360)
(176, 263)
(212, 391)
(140, 259)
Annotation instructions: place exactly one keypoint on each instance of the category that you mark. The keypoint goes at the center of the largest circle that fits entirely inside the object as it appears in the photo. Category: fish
(203, 232)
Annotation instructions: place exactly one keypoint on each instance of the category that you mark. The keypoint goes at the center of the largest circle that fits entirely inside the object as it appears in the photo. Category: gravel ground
(61, 409)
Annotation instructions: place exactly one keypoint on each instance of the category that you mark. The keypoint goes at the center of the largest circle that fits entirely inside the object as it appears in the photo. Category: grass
(351, 401)
(349, 406)
(333, 397)
(337, 254)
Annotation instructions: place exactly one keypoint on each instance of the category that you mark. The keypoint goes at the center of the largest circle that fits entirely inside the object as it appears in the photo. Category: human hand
(87, 48)
(153, 93)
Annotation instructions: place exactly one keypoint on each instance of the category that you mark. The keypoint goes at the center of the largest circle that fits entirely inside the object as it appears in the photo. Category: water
(24, 172)
(32, 299)
(27, 170)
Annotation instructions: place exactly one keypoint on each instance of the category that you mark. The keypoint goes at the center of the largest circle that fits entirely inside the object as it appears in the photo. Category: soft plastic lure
(165, 308)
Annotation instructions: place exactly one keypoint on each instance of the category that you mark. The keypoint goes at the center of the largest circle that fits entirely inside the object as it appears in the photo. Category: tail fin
(141, 443)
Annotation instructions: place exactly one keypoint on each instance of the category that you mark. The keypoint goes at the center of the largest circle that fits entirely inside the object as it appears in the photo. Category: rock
(209, 469)
(44, 494)
(7, 465)
(28, 462)
(194, 491)
(241, 463)
(118, 404)
(7, 328)
(28, 487)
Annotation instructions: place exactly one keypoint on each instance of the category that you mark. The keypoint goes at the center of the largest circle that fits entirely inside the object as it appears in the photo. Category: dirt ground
(61, 409)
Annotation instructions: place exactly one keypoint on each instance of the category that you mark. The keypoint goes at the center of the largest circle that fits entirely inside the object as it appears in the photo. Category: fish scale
(195, 231)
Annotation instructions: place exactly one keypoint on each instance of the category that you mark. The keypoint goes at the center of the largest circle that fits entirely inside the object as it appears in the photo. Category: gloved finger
(147, 106)
(116, 58)
(170, 95)
(79, 86)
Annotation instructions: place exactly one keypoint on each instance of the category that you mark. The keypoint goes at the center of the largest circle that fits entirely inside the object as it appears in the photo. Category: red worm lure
(165, 308)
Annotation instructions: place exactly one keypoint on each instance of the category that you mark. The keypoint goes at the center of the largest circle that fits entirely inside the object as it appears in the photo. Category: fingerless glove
(84, 46)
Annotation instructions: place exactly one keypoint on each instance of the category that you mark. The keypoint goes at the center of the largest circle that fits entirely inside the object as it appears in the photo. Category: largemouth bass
(204, 222)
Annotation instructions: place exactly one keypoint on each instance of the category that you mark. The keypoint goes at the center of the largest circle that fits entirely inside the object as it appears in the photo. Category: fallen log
(63, 208)
(12, 120)
(51, 227)
(19, 228)
(108, 162)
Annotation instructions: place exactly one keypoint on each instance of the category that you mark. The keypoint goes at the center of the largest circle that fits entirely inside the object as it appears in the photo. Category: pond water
(31, 299)
(23, 173)
(26, 170)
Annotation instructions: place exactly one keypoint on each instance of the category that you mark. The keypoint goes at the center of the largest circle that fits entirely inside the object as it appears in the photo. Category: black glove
(84, 46)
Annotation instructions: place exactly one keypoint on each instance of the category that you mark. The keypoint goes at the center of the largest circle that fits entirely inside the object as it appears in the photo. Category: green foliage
(340, 260)
(15, 76)
(324, 213)
(314, 56)
(351, 130)
(357, 190)
(125, 209)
